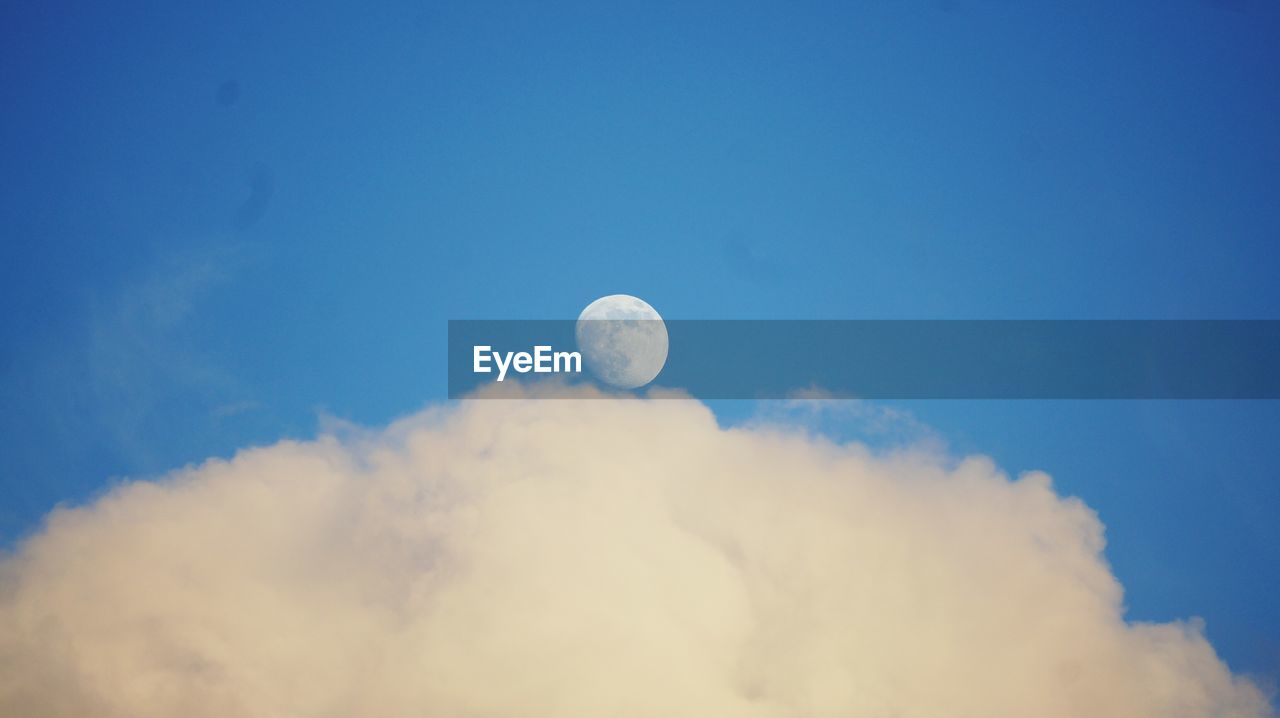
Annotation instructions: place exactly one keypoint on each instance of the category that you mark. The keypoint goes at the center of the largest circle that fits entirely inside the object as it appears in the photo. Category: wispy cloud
(108, 379)
(821, 412)
(139, 353)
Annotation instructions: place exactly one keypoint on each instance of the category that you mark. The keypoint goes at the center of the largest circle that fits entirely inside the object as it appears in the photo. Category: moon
(623, 340)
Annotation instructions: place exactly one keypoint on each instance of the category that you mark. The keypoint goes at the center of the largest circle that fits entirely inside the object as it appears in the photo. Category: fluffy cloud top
(582, 559)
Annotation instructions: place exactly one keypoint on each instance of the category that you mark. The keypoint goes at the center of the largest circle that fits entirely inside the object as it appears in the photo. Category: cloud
(140, 354)
(878, 424)
(124, 378)
(587, 558)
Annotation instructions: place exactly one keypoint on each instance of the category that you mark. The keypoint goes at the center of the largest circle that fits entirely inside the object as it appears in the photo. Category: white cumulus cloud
(525, 559)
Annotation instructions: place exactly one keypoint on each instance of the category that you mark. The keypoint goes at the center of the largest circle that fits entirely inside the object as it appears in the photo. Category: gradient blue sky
(221, 223)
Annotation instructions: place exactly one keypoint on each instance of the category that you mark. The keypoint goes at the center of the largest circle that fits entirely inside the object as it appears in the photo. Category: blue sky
(221, 224)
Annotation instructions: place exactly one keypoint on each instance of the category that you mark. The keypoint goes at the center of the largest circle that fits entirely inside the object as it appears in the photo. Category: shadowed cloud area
(625, 558)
